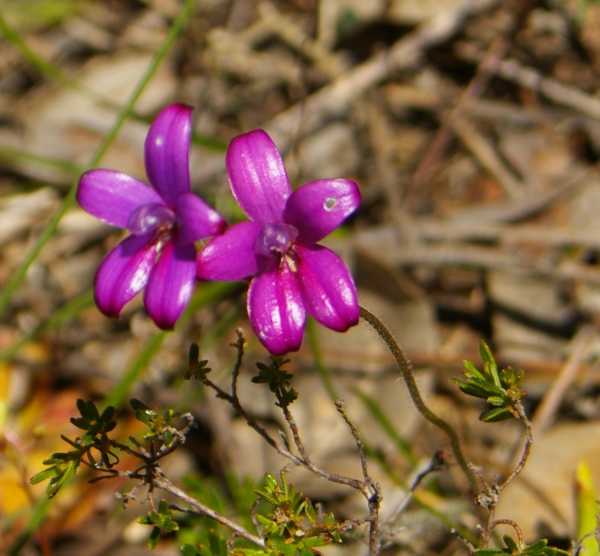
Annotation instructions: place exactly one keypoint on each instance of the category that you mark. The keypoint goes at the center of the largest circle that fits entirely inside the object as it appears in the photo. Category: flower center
(150, 218)
(275, 239)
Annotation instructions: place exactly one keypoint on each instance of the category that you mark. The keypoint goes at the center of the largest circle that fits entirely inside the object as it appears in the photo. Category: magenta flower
(292, 273)
(164, 220)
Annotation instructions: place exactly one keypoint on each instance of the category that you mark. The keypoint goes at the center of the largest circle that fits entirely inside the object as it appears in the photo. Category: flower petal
(196, 219)
(167, 150)
(276, 310)
(327, 287)
(171, 284)
(230, 256)
(123, 273)
(319, 207)
(112, 196)
(258, 178)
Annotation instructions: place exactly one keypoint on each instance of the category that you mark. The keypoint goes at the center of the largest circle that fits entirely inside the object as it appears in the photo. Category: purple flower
(164, 220)
(292, 273)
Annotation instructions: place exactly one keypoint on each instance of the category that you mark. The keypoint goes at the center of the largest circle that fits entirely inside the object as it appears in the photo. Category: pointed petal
(167, 152)
(196, 219)
(319, 207)
(327, 287)
(112, 196)
(123, 273)
(258, 178)
(230, 256)
(276, 310)
(171, 284)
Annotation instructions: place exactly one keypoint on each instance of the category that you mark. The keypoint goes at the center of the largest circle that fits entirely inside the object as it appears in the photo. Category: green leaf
(495, 414)
(510, 544)
(154, 537)
(61, 479)
(43, 475)
(88, 410)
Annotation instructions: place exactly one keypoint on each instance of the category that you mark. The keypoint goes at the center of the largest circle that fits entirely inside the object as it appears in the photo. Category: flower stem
(406, 369)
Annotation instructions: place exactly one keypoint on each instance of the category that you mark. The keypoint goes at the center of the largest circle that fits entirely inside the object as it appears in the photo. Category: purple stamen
(149, 218)
(275, 239)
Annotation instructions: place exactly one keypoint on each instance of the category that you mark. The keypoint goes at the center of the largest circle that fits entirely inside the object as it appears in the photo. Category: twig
(489, 498)
(431, 466)
(438, 144)
(406, 369)
(367, 487)
(407, 52)
(308, 463)
(334, 99)
(164, 484)
(457, 230)
(532, 79)
(304, 458)
(551, 400)
(374, 498)
(467, 255)
(479, 146)
(514, 525)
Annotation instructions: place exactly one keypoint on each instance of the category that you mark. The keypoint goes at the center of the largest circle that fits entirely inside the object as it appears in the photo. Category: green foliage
(511, 548)
(290, 524)
(215, 546)
(500, 388)
(197, 368)
(98, 451)
(62, 466)
(235, 498)
(161, 426)
(278, 380)
(162, 521)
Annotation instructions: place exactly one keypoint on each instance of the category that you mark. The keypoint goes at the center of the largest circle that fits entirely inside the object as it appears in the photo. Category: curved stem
(526, 447)
(406, 369)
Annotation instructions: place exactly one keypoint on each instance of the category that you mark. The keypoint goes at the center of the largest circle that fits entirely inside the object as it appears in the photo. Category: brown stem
(495, 490)
(307, 462)
(406, 369)
(164, 484)
(526, 447)
(374, 498)
(514, 525)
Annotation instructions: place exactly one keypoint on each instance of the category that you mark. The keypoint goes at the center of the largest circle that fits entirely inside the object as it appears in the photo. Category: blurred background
(473, 129)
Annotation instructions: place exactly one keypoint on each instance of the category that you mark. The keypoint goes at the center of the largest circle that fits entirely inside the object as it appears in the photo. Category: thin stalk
(11, 154)
(406, 369)
(199, 508)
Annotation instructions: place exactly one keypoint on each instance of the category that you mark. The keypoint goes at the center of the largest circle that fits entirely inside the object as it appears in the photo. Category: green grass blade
(121, 390)
(19, 274)
(386, 425)
(205, 295)
(11, 154)
(41, 509)
(313, 342)
(45, 68)
(58, 318)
